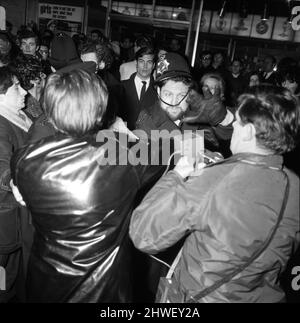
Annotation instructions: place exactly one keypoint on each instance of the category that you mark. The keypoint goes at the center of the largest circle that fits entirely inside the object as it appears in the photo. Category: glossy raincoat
(81, 210)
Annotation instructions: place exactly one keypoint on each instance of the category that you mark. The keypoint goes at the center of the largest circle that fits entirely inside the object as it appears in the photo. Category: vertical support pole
(197, 33)
(107, 20)
(86, 17)
(190, 30)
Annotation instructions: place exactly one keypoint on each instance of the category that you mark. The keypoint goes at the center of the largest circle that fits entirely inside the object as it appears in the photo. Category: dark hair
(275, 114)
(185, 80)
(105, 54)
(88, 47)
(205, 53)
(145, 51)
(25, 34)
(6, 79)
(272, 58)
(98, 32)
(28, 68)
(236, 59)
(291, 75)
(144, 41)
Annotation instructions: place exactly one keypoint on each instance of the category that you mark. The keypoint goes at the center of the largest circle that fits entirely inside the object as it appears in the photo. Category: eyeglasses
(206, 58)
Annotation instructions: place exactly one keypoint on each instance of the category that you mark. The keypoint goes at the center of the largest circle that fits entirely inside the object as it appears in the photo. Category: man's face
(127, 43)
(28, 46)
(206, 60)
(44, 51)
(218, 59)
(236, 67)
(94, 37)
(144, 66)
(15, 95)
(173, 93)
(174, 46)
(268, 65)
(291, 85)
(5, 47)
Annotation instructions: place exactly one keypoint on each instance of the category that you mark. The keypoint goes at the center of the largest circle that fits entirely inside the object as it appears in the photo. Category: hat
(63, 51)
(171, 65)
(86, 66)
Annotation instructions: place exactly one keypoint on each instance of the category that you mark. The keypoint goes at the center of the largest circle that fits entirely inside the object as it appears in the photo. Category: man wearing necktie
(138, 91)
(143, 90)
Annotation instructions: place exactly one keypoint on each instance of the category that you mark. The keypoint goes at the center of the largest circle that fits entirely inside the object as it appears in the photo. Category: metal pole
(197, 33)
(86, 17)
(190, 30)
(107, 20)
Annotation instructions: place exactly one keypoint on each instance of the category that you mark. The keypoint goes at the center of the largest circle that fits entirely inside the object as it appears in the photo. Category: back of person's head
(28, 69)
(63, 51)
(145, 51)
(6, 79)
(75, 101)
(275, 114)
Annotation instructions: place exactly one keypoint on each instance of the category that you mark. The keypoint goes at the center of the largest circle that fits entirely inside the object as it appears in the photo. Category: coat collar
(269, 161)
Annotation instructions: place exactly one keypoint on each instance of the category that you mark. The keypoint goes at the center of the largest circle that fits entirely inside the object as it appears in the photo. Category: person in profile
(239, 217)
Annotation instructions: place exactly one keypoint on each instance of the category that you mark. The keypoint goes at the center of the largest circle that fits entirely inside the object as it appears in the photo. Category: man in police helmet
(180, 106)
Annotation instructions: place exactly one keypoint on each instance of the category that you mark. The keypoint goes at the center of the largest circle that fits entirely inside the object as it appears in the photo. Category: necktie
(143, 90)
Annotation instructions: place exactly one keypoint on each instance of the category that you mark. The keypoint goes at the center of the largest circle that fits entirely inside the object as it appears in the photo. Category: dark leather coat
(81, 213)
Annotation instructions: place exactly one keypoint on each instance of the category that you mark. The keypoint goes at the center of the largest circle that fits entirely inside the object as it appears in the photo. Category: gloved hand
(211, 109)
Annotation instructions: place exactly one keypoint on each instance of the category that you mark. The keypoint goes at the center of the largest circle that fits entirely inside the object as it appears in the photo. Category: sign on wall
(68, 19)
(262, 28)
(241, 26)
(283, 29)
(205, 21)
(221, 25)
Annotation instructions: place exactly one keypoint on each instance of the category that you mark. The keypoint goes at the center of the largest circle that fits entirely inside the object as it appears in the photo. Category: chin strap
(173, 105)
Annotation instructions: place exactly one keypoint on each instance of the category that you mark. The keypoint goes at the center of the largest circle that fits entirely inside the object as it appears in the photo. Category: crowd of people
(77, 225)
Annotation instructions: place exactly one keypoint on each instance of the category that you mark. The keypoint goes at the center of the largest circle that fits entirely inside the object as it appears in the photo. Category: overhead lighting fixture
(265, 15)
(222, 10)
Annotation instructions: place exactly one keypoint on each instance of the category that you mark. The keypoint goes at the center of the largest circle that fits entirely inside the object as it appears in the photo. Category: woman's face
(290, 85)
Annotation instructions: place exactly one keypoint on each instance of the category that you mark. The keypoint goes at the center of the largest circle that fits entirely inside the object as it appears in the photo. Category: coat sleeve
(6, 150)
(167, 213)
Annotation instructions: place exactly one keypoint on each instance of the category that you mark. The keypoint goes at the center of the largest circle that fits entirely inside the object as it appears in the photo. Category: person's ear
(249, 132)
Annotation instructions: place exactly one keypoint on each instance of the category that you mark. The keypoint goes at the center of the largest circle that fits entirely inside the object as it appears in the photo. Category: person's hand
(17, 193)
(185, 166)
(211, 109)
(120, 126)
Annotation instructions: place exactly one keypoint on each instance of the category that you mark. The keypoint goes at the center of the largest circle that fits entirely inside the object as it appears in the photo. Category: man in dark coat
(139, 92)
